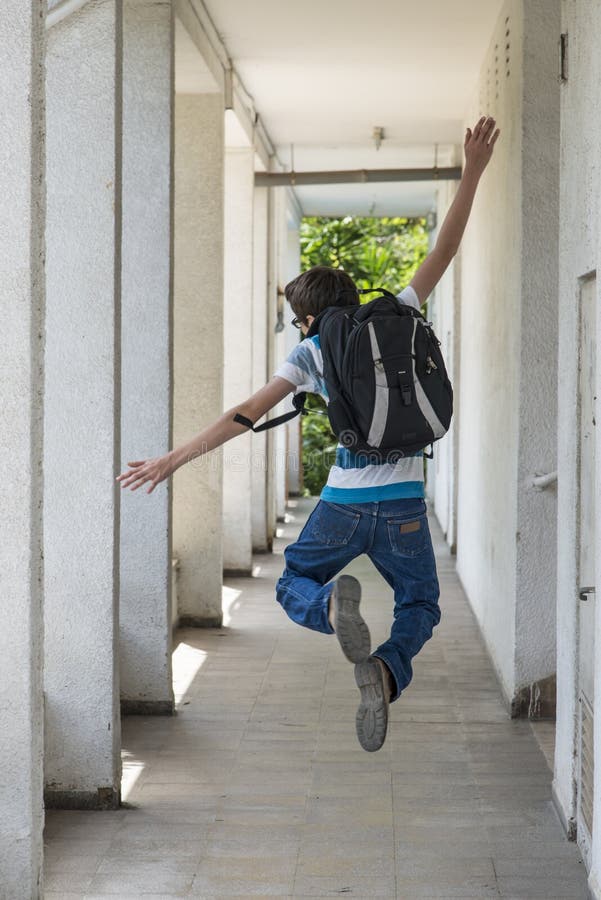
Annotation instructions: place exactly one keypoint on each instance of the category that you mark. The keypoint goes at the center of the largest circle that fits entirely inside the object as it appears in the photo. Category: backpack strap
(382, 291)
(299, 409)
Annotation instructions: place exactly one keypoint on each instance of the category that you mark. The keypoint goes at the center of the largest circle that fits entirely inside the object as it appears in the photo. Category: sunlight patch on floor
(229, 596)
(132, 769)
(187, 662)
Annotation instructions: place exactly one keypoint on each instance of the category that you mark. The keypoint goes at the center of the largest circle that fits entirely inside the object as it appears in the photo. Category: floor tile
(259, 788)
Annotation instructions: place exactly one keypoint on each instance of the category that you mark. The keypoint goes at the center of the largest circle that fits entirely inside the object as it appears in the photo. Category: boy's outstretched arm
(222, 430)
(478, 147)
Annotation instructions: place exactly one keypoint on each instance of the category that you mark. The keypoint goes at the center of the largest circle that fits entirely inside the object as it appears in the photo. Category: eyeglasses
(297, 322)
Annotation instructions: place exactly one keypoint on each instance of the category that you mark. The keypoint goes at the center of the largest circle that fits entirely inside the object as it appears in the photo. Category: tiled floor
(258, 786)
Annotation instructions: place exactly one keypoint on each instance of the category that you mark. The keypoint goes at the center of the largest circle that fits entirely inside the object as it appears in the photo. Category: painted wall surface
(146, 365)
(237, 363)
(21, 441)
(82, 413)
(579, 256)
(508, 352)
(198, 349)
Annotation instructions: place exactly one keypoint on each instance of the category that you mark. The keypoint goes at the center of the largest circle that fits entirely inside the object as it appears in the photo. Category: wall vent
(586, 780)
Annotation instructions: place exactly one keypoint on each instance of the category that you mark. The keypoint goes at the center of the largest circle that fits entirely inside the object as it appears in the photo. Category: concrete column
(198, 351)
(281, 349)
(506, 528)
(261, 539)
(294, 467)
(442, 470)
(146, 367)
(579, 260)
(81, 514)
(237, 359)
(21, 433)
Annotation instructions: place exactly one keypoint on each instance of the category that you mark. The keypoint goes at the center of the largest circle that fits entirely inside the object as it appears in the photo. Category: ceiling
(323, 74)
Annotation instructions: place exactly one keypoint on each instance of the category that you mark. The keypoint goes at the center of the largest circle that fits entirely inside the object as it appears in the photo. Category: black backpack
(388, 389)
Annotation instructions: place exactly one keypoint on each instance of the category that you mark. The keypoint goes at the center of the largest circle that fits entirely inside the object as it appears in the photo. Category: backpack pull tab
(406, 394)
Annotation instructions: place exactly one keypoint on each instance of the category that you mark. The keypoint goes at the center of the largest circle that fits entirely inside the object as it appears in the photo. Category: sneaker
(345, 618)
(374, 681)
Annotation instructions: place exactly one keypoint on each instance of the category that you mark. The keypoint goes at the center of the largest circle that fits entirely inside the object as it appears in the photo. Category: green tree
(376, 253)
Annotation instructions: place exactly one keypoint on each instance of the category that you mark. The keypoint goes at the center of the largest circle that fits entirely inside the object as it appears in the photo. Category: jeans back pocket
(409, 537)
(333, 524)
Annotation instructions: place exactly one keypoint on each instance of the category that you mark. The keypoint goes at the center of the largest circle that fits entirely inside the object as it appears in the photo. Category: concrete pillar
(294, 466)
(579, 260)
(442, 470)
(198, 351)
(506, 528)
(280, 349)
(146, 366)
(237, 359)
(21, 432)
(81, 514)
(262, 540)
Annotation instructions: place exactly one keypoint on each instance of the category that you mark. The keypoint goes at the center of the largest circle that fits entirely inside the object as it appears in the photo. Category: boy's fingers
(484, 127)
(494, 137)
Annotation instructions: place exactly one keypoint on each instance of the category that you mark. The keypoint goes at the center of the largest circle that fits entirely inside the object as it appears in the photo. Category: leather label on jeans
(408, 527)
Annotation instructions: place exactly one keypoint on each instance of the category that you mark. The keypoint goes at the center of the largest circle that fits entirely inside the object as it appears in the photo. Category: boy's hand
(479, 143)
(143, 470)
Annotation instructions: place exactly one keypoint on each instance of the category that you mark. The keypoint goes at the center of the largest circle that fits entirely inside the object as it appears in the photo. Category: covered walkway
(258, 786)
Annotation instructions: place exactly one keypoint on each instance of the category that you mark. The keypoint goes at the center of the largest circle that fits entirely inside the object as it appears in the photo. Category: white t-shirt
(352, 478)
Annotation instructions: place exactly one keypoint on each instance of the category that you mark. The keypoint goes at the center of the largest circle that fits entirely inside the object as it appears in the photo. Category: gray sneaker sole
(351, 631)
(372, 716)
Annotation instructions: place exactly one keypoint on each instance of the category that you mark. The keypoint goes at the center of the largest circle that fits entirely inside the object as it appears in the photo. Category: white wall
(579, 256)
(21, 433)
(506, 531)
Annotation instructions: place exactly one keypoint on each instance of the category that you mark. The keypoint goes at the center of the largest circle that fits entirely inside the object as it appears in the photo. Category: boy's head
(317, 288)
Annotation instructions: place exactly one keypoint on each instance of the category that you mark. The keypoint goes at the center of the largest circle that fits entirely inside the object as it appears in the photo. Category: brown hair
(317, 288)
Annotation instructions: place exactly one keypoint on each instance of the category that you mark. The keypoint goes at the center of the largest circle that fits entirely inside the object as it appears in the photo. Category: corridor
(258, 787)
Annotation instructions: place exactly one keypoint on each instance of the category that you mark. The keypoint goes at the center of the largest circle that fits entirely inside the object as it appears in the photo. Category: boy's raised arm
(222, 430)
(478, 146)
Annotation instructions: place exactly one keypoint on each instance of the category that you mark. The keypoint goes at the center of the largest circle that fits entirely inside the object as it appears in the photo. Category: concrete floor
(258, 786)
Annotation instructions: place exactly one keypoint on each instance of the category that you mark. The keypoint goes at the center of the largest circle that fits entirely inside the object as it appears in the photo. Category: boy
(365, 507)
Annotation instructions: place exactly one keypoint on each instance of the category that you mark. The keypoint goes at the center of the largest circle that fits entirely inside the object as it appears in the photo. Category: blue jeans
(396, 537)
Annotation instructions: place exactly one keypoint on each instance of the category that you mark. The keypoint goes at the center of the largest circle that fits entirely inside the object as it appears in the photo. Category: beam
(275, 179)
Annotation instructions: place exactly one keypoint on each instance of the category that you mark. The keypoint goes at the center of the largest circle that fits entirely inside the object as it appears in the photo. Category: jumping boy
(365, 507)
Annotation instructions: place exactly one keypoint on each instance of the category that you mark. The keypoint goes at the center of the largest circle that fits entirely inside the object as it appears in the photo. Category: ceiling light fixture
(378, 136)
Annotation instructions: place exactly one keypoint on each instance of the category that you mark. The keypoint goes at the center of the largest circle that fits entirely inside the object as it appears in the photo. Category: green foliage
(319, 445)
(375, 253)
